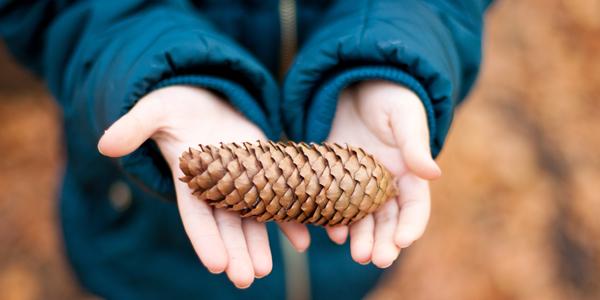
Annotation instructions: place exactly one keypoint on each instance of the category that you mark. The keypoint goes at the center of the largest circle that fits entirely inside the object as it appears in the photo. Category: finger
(130, 131)
(201, 227)
(385, 250)
(297, 234)
(361, 240)
(415, 207)
(239, 269)
(338, 233)
(257, 241)
(409, 125)
(418, 159)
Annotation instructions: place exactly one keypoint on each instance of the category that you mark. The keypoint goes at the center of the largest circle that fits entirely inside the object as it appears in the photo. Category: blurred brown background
(515, 216)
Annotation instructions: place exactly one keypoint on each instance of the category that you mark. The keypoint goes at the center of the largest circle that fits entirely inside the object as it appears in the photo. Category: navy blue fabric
(99, 57)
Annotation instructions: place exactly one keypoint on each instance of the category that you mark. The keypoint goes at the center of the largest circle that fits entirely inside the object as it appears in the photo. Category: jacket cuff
(321, 110)
(146, 166)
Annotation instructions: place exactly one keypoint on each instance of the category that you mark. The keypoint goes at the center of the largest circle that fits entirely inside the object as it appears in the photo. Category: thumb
(419, 161)
(409, 126)
(130, 131)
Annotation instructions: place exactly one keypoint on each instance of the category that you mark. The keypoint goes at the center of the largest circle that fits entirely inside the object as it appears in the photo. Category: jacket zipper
(297, 276)
(288, 34)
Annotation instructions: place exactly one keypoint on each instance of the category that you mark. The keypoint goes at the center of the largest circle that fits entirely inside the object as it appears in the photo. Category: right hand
(178, 117)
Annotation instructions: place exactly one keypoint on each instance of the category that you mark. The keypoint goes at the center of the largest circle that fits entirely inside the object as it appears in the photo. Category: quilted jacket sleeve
(431, 46)
(100, 57)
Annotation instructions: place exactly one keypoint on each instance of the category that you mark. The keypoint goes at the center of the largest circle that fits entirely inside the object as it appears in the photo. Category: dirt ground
(515, 215)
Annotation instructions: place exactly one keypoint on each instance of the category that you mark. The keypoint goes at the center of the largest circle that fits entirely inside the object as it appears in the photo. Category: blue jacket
(100, 57)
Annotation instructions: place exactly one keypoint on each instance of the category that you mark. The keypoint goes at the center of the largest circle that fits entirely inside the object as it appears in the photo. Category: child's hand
(178, 117)
(388, 121)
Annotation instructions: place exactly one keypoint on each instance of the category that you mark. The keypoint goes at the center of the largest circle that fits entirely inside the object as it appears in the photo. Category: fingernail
(300, 249)
(438, 170)
(214, 272)
(401, 242)
(404, 244)
(100, 149)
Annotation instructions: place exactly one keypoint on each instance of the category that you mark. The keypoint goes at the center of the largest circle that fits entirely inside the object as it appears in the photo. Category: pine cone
(324, 184)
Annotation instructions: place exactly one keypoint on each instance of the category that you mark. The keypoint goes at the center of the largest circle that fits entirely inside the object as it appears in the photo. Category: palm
(349, 127)
(389, 122)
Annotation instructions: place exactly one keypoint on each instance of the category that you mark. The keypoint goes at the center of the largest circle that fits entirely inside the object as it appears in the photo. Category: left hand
(388, 121)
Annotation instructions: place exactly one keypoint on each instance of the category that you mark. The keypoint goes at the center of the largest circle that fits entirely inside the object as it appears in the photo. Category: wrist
(235, 95)
(384, 89)
(177, 102)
